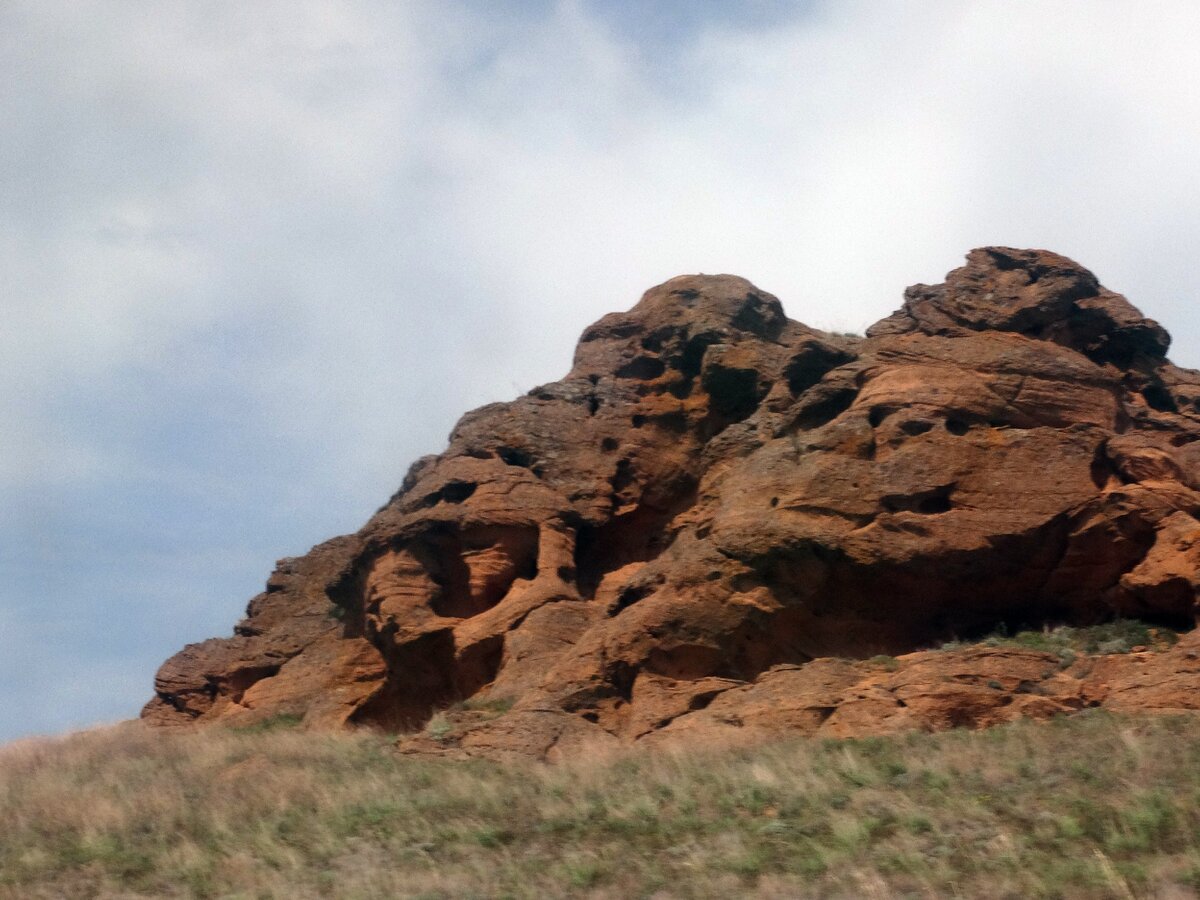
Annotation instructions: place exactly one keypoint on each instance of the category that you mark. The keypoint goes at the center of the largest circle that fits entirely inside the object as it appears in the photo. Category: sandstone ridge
(720, 519)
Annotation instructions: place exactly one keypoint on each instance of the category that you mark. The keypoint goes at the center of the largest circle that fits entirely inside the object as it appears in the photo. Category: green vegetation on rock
(1119, 636)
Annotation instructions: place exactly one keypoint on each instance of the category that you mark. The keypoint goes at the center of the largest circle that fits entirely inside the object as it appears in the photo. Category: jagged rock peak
(1037, 294)
(701, 528)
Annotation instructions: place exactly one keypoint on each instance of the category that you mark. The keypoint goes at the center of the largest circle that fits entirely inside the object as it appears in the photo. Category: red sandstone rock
(682, 537)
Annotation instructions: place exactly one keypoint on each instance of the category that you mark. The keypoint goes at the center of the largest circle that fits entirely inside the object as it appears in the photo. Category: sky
(256, 258)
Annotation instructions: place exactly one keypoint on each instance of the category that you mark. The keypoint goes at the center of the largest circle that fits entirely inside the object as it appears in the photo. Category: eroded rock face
(685, 534)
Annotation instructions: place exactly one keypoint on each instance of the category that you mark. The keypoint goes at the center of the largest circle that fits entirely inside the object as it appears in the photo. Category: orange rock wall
(686, 533)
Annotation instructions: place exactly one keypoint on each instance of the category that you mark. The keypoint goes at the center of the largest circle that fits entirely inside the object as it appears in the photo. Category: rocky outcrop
(720, 514)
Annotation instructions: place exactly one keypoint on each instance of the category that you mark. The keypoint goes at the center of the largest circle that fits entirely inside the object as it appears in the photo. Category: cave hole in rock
(488, 561)
(462, 573)
(810, 365)
(451, 492)
(459, 574)
(734, 394)
(420, 680)
(627, 598)
(513, 456)
(877, 415)
(927, 503)
(477, 666)
(1159, 399)
(593, 400)
(690, 661)
(638, 421)
(458, 491)
(241, 680)
(1104, 351)
(703, 700)
(1180, 618)
(637, 535)
(621, 675)
(1003, 261)
(783, 639)
(957, 427)
(914, 427)
(825, 407)
(761, 641)
(692, 357)
(1102, 470)
(830, 607)
(428, 674)
(348, 595)
(934, 504)
(178, 702)
(642, 368)
(664, 337)
(623, 477)
(681, 388)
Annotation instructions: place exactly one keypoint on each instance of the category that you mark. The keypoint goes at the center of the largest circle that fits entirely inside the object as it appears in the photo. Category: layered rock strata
(714, 521)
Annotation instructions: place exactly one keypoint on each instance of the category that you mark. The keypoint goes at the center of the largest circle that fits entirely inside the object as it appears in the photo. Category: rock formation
(717, 519)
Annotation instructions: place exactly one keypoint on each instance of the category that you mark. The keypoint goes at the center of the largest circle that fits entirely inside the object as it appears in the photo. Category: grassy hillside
(1094, 806)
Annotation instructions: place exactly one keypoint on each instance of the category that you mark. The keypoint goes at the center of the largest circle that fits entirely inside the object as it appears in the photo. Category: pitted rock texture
(702, 527)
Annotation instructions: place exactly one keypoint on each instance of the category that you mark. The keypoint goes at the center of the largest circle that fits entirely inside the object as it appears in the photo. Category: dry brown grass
(1095, 806)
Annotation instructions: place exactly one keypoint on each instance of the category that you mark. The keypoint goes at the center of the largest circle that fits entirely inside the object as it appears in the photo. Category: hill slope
(1092, 806)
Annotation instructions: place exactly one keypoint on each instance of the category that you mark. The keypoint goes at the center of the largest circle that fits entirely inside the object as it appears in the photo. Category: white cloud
(275, 249)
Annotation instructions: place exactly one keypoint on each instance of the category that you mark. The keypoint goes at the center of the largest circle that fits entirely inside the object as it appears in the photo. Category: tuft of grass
(1094, 805)
(439, 727)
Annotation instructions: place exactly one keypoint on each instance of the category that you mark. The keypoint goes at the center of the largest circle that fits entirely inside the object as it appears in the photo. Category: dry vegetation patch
(1092, 806)
(1066, 642)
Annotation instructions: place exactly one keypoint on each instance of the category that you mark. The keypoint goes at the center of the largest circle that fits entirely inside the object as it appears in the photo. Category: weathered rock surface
(719, 516)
